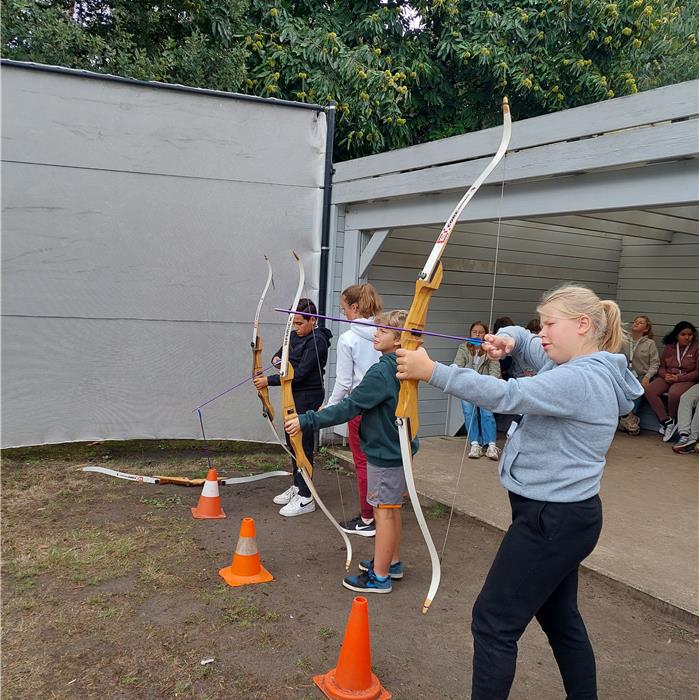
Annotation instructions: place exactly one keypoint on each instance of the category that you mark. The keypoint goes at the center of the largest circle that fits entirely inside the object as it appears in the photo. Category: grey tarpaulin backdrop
(135, 222)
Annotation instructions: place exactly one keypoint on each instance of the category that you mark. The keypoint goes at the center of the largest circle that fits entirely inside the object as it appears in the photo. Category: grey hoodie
(570, 414)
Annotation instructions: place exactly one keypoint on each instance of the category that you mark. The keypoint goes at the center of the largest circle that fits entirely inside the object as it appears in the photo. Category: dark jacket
(375, 398)
(308, 356)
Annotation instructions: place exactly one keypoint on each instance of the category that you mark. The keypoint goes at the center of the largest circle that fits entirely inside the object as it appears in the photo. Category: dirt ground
(110, 589)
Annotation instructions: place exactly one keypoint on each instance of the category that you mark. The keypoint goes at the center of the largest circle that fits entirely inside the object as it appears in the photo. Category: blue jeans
(480, 423)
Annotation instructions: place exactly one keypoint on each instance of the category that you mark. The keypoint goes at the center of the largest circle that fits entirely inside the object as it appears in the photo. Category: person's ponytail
(614, 334)
(368, 301)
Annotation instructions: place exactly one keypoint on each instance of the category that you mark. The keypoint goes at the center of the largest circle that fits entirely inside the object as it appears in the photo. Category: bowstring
(474, 412)
(320, 374)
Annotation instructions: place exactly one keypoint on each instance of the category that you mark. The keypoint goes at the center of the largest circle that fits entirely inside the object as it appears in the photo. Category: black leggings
(535, 574)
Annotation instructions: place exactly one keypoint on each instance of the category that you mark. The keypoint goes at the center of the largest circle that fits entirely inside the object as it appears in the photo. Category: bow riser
(407, 404)
(263, 394)
(290, 413)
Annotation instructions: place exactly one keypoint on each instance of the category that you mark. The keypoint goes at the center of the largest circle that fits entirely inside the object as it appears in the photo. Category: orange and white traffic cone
(246, 567)
(352, 678)
(209, 505)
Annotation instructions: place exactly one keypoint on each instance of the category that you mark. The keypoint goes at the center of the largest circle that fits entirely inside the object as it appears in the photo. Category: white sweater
(355, 354)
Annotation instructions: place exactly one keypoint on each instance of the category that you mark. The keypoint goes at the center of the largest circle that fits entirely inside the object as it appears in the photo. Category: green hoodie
(375, 398)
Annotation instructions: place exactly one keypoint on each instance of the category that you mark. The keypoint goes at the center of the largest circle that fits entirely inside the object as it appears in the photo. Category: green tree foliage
(363, 55)
(548, 55)
(178, 41)
(406, 74)
(400, 73)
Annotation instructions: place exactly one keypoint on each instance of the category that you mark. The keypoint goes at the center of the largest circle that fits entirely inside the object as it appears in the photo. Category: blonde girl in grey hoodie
(551, 466)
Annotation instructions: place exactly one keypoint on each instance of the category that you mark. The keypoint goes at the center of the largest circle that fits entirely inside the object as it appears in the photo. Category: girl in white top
(355, 354)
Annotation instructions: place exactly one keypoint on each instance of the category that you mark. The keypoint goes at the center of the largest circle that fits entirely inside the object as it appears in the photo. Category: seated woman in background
(678, 371)
(643, 360)
(507, 362)
(480, 423)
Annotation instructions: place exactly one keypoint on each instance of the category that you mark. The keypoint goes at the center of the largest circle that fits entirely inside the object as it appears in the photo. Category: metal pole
(326, 220)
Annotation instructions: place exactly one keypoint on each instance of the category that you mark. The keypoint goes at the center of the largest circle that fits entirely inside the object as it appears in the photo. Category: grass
(326, 633)
(437, 511)
(162, 503)
(329, 462)
(81, 555)
(247, 614)
(109, 586)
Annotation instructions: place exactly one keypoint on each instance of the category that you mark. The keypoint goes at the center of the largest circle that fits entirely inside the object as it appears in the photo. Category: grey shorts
(386, 486)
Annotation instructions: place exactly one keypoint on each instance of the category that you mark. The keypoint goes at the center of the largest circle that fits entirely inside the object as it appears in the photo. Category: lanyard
(633, 349)
(678, 353)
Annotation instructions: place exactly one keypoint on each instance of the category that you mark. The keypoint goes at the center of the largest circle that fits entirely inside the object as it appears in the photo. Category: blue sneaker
(367, 583)
(395, 570)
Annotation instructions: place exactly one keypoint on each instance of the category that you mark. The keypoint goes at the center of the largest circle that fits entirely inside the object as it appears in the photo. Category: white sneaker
(492, 452)
(475, 451)
(669, 431)
(286, 496)
(298, 506)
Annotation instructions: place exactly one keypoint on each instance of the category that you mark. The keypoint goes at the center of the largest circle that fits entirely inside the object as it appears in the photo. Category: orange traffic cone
(209, 505)
(246, 567)
(352, 678)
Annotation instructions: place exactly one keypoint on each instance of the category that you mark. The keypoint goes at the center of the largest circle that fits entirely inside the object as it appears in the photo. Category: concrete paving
(649, 540)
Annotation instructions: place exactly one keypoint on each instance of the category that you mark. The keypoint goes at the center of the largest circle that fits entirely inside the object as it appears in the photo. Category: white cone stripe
(246, 546)
(211, 489)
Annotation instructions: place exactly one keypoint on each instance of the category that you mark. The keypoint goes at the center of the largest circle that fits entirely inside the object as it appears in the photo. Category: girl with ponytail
(551, 466)
(355, 354)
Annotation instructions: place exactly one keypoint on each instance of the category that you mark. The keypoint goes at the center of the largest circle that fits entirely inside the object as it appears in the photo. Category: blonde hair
(649, 332)
(574, 301)
(367, 298)
(394, 318)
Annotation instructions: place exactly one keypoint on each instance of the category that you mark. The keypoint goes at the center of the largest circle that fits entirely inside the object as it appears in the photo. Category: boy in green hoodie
(375, 398)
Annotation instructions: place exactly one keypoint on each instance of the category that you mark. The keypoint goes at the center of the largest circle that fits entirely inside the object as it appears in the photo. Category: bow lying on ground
(181, 480)
(407, 407)
(289, 412)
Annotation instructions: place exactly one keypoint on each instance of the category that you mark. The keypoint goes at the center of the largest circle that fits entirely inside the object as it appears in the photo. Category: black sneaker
(357, 526)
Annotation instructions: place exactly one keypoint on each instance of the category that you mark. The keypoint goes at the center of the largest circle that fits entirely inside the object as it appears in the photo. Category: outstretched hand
(292, 427)
(414, 364)
(498, 346)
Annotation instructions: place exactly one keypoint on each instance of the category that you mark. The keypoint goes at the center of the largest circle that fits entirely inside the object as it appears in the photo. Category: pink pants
(360, 460)
(659, 386)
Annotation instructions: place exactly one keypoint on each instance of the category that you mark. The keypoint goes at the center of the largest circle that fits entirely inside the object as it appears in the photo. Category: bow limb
(256, 346)
(428, 282)
(289, 412)
(124, 475)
